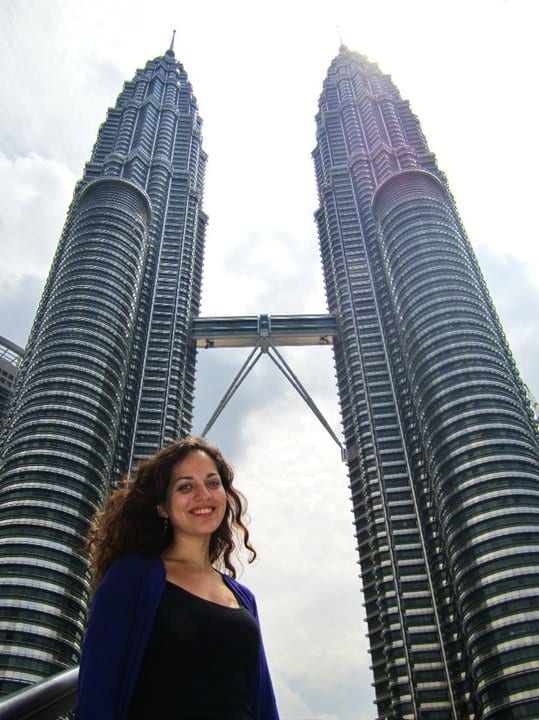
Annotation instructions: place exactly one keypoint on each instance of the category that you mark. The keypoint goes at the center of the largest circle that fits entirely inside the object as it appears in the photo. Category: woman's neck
(190, 552)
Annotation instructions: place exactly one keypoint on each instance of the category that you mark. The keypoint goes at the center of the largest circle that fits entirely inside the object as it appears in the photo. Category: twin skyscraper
(441, 443)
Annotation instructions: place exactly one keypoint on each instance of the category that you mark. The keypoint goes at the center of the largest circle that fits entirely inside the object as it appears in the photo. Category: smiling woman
(169, 635)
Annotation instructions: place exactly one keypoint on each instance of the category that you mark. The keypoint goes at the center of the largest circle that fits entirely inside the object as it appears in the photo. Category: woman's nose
(201, 491)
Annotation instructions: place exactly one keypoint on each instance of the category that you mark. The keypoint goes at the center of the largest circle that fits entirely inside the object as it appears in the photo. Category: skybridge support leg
(248, 365)
(266, 346)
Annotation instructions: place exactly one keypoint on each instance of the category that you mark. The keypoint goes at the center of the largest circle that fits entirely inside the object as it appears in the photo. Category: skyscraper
(442, 446)
(108, 374)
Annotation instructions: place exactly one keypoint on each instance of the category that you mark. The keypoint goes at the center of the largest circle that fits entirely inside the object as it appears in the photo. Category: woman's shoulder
(132, 582)
(129, 567)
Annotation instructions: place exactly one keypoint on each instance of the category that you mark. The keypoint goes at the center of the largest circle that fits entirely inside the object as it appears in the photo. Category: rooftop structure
(10, 357)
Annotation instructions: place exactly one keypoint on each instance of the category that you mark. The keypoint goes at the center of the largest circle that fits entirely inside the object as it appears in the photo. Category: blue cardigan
(121, 619)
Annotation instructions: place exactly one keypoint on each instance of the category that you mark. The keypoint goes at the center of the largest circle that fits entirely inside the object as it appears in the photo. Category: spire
(342, 46)
(170, 51)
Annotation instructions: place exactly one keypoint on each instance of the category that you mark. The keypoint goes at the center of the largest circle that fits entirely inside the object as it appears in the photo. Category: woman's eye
(184, 488)
(214, 484)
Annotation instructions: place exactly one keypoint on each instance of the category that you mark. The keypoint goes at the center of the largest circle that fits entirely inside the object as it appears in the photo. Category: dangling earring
(165, 524)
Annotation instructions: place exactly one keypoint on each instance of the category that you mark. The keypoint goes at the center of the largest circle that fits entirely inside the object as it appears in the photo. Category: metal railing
(46, 700)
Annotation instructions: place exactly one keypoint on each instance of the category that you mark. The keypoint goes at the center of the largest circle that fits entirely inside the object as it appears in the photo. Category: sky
(468, 68)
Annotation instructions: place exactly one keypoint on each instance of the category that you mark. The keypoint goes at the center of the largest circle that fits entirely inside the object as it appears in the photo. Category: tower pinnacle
(171, 48)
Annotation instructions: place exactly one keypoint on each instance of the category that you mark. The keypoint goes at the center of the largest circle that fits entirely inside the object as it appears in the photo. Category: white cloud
(35, 194)
(514, 286)
(19, 297)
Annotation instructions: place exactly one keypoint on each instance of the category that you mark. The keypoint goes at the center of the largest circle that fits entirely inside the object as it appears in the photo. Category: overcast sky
(469, 69)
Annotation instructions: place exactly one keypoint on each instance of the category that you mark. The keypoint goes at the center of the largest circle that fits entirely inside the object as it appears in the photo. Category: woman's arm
(121, 616)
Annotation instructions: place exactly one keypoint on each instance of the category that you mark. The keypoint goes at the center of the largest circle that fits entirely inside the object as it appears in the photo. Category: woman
(169, 637)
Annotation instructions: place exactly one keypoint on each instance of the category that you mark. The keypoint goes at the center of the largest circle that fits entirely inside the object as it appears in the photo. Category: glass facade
(442, 445)
(108, 373)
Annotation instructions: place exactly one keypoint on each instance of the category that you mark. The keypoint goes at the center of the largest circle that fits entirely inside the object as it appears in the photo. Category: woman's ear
(161, 511)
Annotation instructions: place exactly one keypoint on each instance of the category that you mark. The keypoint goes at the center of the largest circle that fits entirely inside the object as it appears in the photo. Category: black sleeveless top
(197, 662)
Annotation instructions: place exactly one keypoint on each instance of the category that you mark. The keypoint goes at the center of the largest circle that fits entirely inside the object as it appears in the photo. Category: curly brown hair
(129, 523)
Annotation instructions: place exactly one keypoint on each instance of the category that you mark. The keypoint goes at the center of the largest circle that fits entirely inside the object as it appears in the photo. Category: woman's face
(196, 499)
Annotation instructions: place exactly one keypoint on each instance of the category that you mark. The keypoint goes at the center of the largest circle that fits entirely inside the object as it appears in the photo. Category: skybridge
(250, 330)
(264, 333)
